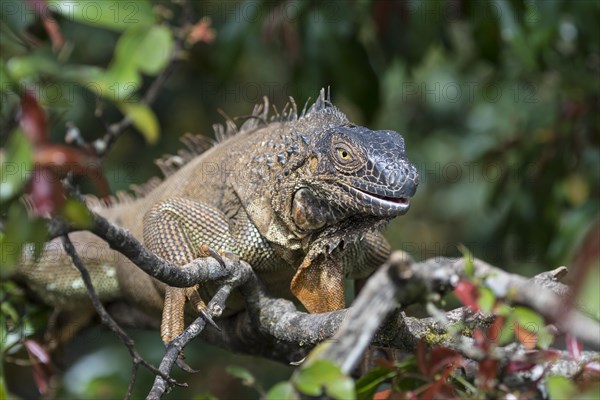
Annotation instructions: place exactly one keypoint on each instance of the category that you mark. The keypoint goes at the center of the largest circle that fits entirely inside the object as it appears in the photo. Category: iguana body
(301, 199)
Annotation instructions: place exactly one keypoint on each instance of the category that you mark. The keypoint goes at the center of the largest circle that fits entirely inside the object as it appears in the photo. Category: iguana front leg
(178, 231)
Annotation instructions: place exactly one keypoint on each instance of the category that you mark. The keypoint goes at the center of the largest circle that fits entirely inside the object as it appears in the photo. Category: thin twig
(172, 353)
(134, 371)
(107, 320)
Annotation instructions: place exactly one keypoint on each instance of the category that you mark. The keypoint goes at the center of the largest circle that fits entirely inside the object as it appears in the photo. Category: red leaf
(40, 367)
(480, 339)
(488, 371)
(41, 378)
(440, 358)
(41, 9)
(495, 329)
(64, 159)
(383, 363)
(541, 356)
(37, 351)
(439, 387)
(593, 367)
(586, 256)
(45, 192)
(527, 338)
(574, 346)
(518, 366)
(467, 294)
(33, 119)
(383, 395)
(201, 32)
(421, 357)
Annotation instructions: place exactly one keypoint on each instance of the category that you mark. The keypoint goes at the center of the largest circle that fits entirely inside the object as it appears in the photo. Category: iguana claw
(193, 295)
(207, 251)
(184, 367)
(207, 317)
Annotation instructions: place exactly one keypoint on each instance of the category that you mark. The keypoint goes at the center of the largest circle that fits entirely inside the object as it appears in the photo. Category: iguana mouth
(384, 204)
(397, 200)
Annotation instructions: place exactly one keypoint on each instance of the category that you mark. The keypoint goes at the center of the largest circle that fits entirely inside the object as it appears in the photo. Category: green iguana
(301, 198)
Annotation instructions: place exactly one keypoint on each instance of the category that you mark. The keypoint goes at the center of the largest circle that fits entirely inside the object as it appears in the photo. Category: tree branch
(119, 239)
(274, 328)
(276, 317)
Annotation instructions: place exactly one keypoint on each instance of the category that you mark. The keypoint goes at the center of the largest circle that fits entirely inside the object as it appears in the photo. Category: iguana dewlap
(301, 198)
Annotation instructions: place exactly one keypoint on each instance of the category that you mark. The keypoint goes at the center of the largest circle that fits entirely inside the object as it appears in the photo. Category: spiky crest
(198, 144)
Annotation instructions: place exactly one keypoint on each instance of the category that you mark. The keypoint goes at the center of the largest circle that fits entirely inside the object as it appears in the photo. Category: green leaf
(368, 383)
(241, 373)
(507, 333)
(126, 51)
(528, 319)
(3, 391)
(119, 84)
(205, 396)
(116, 85)
(16, 165)
(140, 49)
(20, 230)
(486, 300)
(154, 51)
(115, 15)
(30, 65)
(38, 236)
(145, 49)
(76, 213)
(511, 32)
(503, 309)
(4, 78)
(8, 310)
(469, 267)
(560, 387)
(109, 84)
(342, 389)
(324, 375)
(282, 391)
(544, 338)
(589, 296)
(143, 119)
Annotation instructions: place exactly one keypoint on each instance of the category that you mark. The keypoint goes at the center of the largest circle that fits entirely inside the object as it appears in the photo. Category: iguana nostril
(393, 177)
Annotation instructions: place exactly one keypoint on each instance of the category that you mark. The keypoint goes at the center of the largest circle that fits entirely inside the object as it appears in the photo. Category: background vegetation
(497, 100)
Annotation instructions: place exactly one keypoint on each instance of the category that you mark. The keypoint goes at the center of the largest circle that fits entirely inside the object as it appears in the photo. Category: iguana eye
(344, 154)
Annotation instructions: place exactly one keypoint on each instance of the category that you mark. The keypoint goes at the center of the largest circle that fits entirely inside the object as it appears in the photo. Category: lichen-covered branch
(274, 328)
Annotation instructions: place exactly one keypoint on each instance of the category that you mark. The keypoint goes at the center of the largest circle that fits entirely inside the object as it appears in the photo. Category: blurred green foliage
(497, 100)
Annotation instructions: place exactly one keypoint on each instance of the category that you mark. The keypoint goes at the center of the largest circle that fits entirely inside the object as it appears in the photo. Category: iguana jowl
(301, 198)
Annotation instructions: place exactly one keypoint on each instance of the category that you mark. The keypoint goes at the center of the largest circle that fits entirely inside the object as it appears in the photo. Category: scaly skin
(301, 199)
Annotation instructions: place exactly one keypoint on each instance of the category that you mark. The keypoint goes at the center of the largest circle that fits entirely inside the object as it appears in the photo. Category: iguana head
(352, 172)
(324, 178)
